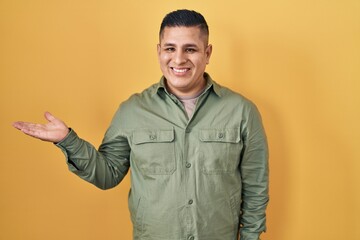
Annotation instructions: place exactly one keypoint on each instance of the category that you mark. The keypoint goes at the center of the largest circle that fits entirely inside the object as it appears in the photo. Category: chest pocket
(153, 151)
(220, 150)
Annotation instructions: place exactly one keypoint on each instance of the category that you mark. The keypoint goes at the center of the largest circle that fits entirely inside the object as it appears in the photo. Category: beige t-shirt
(189, 104)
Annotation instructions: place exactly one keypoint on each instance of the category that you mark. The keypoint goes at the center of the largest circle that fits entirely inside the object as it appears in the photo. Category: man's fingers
(26, 126)
(21, 125)
(30, 129)
(49, 116)
(17, 125)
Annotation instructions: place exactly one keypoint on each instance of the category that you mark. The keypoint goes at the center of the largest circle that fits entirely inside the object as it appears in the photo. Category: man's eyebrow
(191, 45)
(185, 45)
(169, 44)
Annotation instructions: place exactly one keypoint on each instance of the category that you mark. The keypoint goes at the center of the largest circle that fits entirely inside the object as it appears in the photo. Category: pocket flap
(230, 135)
(153, 135)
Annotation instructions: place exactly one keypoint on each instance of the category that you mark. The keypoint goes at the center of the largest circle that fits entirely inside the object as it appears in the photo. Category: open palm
(53, 131)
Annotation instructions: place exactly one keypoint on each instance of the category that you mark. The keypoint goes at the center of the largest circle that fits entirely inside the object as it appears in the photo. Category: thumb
(49, 116)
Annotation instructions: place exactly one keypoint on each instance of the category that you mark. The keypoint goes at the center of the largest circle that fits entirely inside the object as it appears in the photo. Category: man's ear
(208, 52)
(158, 47)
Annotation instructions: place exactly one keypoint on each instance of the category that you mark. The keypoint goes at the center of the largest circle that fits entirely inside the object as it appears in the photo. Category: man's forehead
(179, 32)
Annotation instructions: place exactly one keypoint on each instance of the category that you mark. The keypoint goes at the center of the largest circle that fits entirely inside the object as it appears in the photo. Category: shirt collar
(211, 84)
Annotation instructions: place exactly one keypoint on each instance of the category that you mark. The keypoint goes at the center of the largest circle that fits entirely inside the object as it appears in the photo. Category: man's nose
(179, 57)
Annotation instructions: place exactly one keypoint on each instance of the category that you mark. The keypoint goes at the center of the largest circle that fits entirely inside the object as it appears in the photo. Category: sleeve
(105, 167)
(255, 178)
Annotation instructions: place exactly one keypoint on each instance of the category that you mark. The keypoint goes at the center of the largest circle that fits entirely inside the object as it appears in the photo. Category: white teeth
(181, 70)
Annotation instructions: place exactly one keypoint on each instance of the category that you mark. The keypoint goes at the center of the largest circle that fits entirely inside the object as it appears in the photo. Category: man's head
(184, 52)
(185, 18)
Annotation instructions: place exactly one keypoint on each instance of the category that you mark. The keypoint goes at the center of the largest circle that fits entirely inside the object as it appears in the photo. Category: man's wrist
(69, 130)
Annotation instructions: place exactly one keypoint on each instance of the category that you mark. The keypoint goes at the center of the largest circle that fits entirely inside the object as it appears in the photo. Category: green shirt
(200, 178)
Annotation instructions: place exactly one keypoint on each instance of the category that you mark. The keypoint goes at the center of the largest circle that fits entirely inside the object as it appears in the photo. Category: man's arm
(104, 168)
(255, 177)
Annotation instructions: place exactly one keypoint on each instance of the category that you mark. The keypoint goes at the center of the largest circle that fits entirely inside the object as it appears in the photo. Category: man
(197, 150)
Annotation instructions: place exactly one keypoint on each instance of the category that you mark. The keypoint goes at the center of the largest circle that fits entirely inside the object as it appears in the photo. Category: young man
(197, 150)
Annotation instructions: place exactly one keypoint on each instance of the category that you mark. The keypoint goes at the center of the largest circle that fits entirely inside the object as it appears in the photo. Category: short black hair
(184, 18)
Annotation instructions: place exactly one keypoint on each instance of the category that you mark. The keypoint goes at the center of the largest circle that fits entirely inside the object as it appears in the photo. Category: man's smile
(180, 70)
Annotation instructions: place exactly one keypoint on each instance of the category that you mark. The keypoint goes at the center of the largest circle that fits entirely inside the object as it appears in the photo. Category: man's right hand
(53, 131)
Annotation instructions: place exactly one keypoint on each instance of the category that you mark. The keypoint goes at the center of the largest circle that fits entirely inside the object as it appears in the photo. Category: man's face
(183, 55)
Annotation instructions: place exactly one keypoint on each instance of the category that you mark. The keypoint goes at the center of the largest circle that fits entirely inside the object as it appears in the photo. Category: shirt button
(191, 238)
(190, 201)
(188, 165)
(152, 137)
(220, 135)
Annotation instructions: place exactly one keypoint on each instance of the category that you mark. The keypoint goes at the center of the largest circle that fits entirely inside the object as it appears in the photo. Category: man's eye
(169, 49)
(190, 50)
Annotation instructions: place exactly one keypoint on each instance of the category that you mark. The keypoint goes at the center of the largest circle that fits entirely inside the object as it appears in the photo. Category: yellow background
(299, 61)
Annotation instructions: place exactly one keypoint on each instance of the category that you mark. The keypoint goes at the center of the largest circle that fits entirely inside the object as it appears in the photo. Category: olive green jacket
(201, 178)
